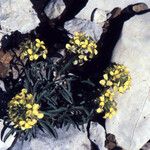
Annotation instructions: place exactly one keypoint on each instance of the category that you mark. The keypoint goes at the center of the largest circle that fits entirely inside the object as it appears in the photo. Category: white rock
(104, 6)
(2, 86)
(9, 141)
(79, 25)
(97, 135)
(99, 16)
(131, 126)
(54, 8)
(17, 15)
(73, 139)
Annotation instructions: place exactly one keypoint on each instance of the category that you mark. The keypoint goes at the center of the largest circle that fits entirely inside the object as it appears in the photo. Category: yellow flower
(39, 43)
(27, 126)
(102, 82)
(102, 104)
(110, 116)
(121, 89)
(95, 52)
(109, 83)
(29, 106)
(76, 33)
(105, 76)
(30, 51)
(24, 91)
(106, 115)
(116, 72)
(77, 42)
(68, 46)
(31, 58)
(35, 56)
(102, 98)
(21, 123)
(32, 122)
(23, 112)
(36, 106)
(29, 96)
(44, 56)
(99, 110)
(40, 115)
(81, 56)
(85, 58)
(84, 46)
(111, 73)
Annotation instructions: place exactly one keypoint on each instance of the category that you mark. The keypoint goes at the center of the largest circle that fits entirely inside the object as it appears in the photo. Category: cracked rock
(54, 8)
(131, 125)
(17, 15)
(80, 25)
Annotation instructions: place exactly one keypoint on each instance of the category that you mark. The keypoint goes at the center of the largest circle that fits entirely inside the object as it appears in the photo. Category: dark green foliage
(65, 99)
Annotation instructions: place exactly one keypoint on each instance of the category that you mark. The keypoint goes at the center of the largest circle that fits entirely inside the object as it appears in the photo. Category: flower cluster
(83, 46)
(33, 50)
(107, 104)
(117, 77)
(23, 112)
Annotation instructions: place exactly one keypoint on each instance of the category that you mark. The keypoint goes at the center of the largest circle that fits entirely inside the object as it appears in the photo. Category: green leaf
(48, 128)
(89, 82)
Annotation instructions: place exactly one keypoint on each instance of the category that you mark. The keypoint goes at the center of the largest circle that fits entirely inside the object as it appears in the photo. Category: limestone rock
(105, 6)
(131, 125)
(72, 139)
(54, 8)
(17, 15)
(80, 25)
(7, 144)
(97, 135)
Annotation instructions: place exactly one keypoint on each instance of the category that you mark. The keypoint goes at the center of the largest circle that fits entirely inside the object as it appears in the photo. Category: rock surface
(71, 139)
(80, 25)
(7, 144)
(17, 15)
(97, 135)
(54, 8)
(105, 6)
(131, 126)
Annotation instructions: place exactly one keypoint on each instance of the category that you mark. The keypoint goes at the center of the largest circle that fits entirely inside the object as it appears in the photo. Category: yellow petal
(111, 73)
(31, 58)
(40, 115)
(102, 104)
(38, 40)
(44, 56)
(38, 45)
(35, 56)
(30, 51)
(102, 98)
(102, 82)
(24, 91)
(22, 123)
(29, 106)
(68, 46)
(109, 83)
(95, 52)
(99, 110)
(36, 106)
(81, 56)
(85, 58)
(77, 42)
(105, 76)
